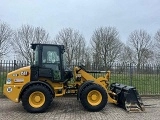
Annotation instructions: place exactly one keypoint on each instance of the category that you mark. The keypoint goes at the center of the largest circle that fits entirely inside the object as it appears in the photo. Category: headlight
(8, 81)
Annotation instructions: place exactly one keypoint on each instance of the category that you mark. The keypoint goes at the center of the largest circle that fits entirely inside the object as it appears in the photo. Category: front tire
(36, 98)
(82, 86)
(93, 98)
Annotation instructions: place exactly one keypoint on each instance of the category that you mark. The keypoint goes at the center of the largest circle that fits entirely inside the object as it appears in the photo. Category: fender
(36, 82)
(82, 86)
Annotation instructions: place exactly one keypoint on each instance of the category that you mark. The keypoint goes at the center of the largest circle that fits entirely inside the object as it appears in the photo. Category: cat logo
(24, 73)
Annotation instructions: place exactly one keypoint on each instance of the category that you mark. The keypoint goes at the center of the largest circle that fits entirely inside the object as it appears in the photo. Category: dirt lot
(68, 108)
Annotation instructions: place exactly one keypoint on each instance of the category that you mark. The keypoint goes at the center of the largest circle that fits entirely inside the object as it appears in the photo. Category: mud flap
(127, 97)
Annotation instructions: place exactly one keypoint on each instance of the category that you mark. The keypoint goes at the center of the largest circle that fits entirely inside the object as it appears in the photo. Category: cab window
(50, 54)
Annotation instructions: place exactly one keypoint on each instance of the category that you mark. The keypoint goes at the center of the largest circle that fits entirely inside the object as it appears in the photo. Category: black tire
(82, 86)
(45, 94)
(87, 91)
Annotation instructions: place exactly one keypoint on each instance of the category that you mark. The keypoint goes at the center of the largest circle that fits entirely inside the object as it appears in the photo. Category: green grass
(146, 84)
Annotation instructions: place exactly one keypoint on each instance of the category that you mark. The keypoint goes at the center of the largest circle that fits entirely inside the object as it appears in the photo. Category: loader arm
(81, 76)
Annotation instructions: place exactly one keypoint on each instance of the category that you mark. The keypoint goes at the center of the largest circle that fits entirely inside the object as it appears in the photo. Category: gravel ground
(68, 108)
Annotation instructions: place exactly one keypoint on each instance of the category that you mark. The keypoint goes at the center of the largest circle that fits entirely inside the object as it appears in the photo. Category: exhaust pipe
(127, 97)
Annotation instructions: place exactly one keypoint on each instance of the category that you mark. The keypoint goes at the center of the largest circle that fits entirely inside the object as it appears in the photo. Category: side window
(35, 55)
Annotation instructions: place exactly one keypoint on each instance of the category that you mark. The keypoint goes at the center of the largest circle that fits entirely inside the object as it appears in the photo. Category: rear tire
(36, 98)
(93, 98)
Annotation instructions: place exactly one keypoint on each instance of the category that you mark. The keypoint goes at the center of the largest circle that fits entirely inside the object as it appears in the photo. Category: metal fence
(146, 77)
(8, 66)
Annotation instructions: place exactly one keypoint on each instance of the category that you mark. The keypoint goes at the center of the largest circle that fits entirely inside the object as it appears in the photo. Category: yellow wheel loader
(38, 84)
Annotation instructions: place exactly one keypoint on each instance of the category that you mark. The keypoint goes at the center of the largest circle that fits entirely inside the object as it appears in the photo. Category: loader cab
(48, 61)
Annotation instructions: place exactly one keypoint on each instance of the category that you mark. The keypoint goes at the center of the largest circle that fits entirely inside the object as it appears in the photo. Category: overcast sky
(83, 15)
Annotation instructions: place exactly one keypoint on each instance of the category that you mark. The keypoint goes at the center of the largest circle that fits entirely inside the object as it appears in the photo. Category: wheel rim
(94, 97)
(36, 99)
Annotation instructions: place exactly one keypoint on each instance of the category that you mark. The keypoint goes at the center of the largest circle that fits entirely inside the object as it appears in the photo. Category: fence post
(14, 64)
(131, 74)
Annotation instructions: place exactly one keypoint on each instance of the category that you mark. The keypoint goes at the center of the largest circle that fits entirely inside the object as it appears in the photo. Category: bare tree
(126, 55)
(157, 38)
(5, 38)
(140, 42)
(74, 44)
(88, 57)
(23, 38)
(157, 46)
(106, 45)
